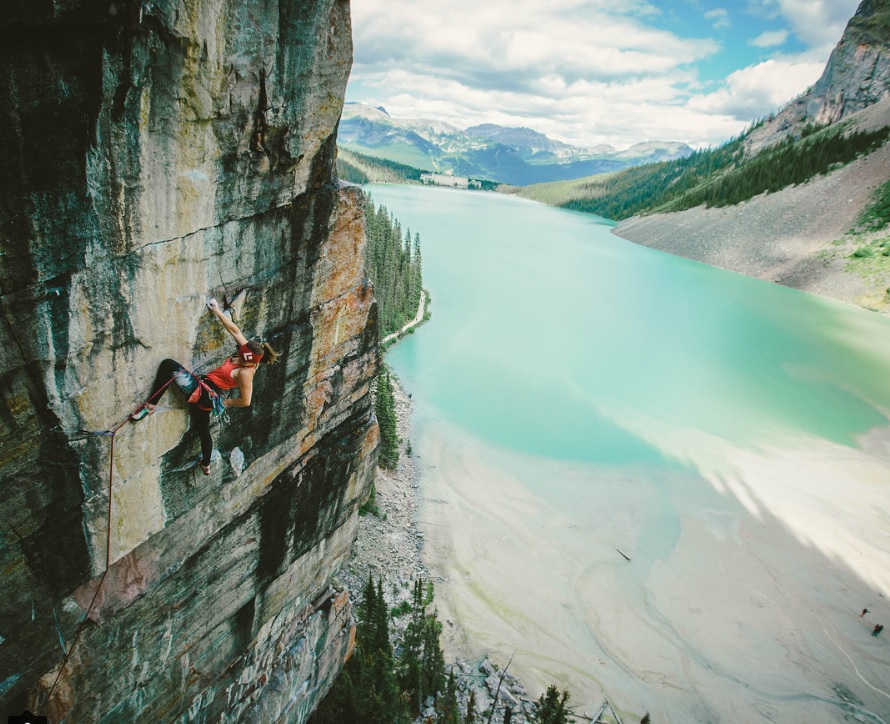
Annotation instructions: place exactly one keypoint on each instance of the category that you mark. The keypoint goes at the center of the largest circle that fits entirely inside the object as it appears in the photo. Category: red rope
(112, 434)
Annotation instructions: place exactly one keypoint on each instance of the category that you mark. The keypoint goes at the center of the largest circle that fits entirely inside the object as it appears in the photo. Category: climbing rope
(112, 434)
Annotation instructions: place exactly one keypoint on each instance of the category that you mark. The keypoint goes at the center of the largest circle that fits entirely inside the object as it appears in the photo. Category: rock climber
(203, 392)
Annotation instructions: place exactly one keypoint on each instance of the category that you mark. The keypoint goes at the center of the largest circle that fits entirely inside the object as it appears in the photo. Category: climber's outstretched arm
(230, 326)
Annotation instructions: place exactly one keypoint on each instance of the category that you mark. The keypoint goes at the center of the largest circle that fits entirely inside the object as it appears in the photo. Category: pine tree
(410, 676)
(341, 703)
(385, 409)
(552, 707)
(422, 664)
(450, 712)
(373, 617)
(470, 718)
(416, 272)
(366, 690)
(433, 662)
(379, 698)
(393, 264)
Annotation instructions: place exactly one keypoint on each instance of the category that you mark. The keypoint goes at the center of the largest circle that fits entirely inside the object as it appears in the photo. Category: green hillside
(625, 193)
(721, 176)
(358, 168)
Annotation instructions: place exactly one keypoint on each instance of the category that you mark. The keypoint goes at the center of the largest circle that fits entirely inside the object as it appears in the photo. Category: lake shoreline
(580, 393)
(798, 237)
(419, 319)
(390, 546)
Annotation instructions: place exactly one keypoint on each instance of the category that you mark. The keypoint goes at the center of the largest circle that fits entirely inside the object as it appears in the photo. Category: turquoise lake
(543, 318)
(573, 393)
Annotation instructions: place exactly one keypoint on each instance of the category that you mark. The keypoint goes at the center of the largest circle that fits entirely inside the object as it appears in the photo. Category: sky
(587, 72)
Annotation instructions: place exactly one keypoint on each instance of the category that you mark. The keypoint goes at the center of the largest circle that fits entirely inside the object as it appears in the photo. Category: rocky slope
(800, 236)
(156, 153)
(797, 237)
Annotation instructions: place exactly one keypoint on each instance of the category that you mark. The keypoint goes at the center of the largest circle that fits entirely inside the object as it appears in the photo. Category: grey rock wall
(155, 152)
(858, 72)
(856, 77)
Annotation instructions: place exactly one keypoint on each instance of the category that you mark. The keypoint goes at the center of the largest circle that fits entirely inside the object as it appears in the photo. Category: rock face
(856, 76)
(858, 72)
(157, 152)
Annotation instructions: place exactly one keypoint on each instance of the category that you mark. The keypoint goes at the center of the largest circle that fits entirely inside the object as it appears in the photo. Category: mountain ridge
(856, 76)
(783, 201)
(812, 236)
(516, 156)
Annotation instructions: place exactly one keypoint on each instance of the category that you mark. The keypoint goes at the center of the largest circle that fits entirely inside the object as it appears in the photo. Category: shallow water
(548, 327)
(575, 392)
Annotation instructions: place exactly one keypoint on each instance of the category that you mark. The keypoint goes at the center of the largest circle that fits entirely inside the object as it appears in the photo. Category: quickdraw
(217, 404)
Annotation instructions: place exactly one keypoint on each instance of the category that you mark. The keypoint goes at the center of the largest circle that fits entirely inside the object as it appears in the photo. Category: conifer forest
(395, 267)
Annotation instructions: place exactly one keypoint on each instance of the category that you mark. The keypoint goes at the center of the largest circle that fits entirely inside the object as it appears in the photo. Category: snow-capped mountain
(510, 155)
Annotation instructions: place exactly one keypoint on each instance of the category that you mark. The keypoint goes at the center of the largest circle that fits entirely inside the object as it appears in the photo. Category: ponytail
(270, 356)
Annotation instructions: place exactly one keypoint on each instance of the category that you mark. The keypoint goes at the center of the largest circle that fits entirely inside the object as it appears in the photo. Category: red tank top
(222, 375)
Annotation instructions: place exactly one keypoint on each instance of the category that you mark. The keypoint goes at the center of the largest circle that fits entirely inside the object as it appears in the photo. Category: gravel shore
(798, 237)
(389, 546)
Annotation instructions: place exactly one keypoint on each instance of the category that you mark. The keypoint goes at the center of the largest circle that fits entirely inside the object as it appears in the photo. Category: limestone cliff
(156, 152)
(856, 76)
(858, 72)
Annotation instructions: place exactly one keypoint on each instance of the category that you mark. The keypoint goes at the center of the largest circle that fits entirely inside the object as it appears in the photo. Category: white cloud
(584, 113)
(759, 89)
(581, 71)
(770, 38)
(719, 18)
(568, 38)
(574, 69)
(818, 24)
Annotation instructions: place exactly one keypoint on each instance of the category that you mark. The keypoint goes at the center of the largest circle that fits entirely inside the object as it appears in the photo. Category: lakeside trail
(389, 546)
(418, 318)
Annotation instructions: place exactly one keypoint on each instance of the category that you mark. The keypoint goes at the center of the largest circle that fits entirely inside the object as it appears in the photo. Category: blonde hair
(271, 356)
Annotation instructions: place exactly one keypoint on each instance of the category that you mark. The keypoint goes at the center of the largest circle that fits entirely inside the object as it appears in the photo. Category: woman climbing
(203, 391)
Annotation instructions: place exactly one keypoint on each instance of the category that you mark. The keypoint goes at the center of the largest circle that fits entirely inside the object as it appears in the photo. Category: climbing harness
(217, 406)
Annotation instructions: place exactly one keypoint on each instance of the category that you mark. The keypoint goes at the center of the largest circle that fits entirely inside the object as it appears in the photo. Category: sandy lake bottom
(740, 602)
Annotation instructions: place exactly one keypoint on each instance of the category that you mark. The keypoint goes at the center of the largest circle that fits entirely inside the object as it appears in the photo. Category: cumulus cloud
(568, 38)
(818, 24)
(581, 71)
(523, 61)
(719, 18)
(759, 89)
(770, 38)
